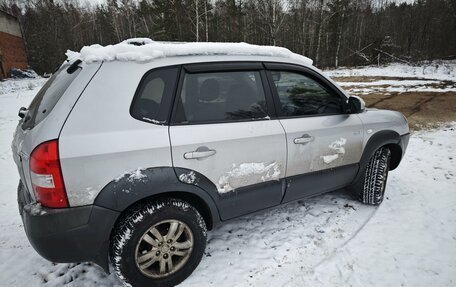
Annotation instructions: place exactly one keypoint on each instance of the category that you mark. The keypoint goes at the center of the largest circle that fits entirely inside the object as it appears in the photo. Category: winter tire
(158, 243)
(370, 187)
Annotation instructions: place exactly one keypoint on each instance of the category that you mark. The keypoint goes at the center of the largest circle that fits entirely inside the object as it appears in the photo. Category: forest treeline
(331, 32)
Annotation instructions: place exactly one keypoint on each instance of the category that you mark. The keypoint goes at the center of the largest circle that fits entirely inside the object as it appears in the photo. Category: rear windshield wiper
(71, 69)
(22, 112)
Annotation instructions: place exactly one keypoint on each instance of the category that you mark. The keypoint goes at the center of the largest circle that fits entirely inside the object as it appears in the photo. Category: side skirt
(258, 198)
(314, 183)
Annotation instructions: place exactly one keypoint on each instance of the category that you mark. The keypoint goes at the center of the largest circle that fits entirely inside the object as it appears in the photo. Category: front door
(324, 142)
(222, 130)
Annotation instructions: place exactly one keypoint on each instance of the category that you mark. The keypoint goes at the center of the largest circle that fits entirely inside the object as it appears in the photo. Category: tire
(370, 187)
(141, 258)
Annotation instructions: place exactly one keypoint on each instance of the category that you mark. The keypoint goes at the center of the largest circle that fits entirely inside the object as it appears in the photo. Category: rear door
(324, 142)
(222, 130)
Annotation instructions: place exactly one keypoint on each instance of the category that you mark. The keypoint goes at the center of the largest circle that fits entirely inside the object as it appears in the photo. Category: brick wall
(12, 53)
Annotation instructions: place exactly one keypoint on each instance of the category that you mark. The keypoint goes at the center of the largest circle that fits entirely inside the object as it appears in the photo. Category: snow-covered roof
(144, 49)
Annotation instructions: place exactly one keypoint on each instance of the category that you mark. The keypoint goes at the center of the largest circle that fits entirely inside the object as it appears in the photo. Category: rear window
(48, 96)
(221, 97)
(153, 98)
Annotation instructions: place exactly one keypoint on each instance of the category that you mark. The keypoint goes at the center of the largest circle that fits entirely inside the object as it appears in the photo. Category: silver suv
(128, 162)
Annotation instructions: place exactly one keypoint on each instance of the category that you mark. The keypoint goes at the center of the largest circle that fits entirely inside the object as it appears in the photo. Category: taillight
(46, 175)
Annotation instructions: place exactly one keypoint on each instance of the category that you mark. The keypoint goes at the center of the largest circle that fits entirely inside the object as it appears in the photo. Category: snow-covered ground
(437, 70)
(435, 77)
(329, 240)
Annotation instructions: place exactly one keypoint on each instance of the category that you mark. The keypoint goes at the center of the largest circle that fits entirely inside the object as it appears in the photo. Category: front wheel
(158, 244)
(370, 187)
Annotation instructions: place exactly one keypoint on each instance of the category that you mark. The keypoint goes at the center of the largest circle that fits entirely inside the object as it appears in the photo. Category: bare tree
(272, 14)
(332, 32)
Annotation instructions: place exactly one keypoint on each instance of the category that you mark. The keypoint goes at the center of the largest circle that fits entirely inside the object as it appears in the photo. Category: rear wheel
(370, 187)
(158, 244)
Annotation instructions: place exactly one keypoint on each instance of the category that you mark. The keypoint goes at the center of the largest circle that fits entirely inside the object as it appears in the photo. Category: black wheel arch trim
(382, 138)
(122, 193)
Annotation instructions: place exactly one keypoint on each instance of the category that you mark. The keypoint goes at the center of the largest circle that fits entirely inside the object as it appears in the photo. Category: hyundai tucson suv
(130, 153)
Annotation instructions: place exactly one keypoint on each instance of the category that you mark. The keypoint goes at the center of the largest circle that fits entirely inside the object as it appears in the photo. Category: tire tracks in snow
(303, 273)
(340, 247)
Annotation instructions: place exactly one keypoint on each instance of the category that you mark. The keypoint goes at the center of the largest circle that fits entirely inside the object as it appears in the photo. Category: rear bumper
(67, 235)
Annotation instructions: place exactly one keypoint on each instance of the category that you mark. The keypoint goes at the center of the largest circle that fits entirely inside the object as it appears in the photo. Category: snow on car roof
(145, 49)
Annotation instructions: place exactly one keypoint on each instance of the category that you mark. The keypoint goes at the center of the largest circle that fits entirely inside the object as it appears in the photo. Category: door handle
(304, 139)
(199, 153)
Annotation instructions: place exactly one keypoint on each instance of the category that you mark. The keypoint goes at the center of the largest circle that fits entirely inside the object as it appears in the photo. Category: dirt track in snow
(423, 109)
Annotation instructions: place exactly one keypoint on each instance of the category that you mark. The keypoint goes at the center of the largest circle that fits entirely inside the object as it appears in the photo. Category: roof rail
(145, 49)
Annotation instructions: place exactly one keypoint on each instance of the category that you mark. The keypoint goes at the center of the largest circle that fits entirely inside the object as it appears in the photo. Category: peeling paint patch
(189, 178)
(91, 192)
(330, 158)
(247, 174)
(136, 175)
(35, 209)
(338, 146)
(337, 149)
(132, 175)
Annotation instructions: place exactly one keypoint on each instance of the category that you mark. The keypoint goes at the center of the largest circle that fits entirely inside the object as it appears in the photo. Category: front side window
(154, 96)
(300, 95)
(220, 97)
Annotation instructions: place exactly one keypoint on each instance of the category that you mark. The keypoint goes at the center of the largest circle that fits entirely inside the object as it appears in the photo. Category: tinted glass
(48, 96)
(154, 96)
(224, 96)
(300, 95)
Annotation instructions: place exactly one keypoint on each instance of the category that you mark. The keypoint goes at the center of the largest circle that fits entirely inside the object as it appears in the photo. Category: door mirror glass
(356, 105)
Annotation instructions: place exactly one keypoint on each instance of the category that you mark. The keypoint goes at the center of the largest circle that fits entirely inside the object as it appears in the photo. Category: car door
(223, 132)
(324, 141)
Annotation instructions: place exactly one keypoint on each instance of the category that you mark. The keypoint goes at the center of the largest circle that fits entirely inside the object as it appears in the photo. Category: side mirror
(356, 105)
(22, 112)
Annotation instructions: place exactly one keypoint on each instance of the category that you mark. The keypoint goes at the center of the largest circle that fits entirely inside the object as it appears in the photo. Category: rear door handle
(200, 153)
(304, 139)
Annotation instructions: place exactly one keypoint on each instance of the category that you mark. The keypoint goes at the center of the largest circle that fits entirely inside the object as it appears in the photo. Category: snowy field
(329, 240)
(436, 77)
(440, 70)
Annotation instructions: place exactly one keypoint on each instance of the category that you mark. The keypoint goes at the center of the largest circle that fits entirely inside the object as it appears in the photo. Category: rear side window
(49, 95)
(300, 95)
(154, 96)
(221, 97)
